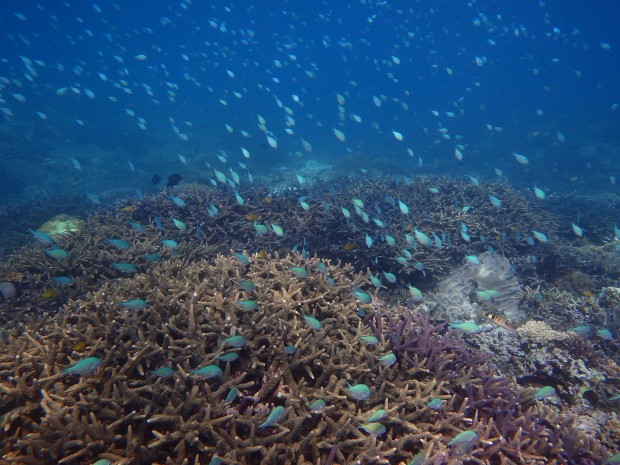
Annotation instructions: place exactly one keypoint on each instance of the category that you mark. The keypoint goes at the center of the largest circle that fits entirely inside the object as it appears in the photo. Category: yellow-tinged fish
(349, 246)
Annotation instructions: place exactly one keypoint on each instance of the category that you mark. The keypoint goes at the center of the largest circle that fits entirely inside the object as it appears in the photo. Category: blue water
(543, 74)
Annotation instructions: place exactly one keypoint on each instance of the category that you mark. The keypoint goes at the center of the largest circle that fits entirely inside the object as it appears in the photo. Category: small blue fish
(415, 292)
(208, 371)
(369, 340)
(539, 193)
(613, 460)
(261, 229)
(317, 406)
(404, 209)
(248, 304)
(497, 203)
(179, 224)
(83, 367)
(242, 258)
(163, 372)
(247, 286)
(362, 297)
(359, 391)
(468, 327)
(390, 240)
(521, 159)
(313, 322)
(582, 329)
(274, 417)
(376, 281)
(545, 392)
(65, 280)
(540, 237)
(463, 442)
(277, 229)
(300, 272)
(177, 201)
(124, 267)
(322, 267)
(238, 198)
(136, 226)
(290, 350)
(235, 341)
(418, 459)
(379, 223)
(57, 254)
(134, 304)
(422, 238)
(232, 395)
(387, 359)
(435, 404)
(42, 237)
(213, 211)
(171, 244)
(375, 428)
(152, 257)
(605, 334)
(390, 277)
(228, 357)
(377, 415)
(120, 244)
(473, 259)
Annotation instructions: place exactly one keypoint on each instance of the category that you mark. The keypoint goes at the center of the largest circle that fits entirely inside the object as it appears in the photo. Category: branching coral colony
(307, 346)
(446, 220)
(182, 330)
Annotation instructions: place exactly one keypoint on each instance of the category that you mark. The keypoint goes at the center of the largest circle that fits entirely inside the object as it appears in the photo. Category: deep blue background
(555, 64)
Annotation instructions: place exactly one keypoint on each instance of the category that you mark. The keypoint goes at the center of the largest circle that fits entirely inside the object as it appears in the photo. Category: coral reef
(180, 328)
(213, 220)
(300, 344)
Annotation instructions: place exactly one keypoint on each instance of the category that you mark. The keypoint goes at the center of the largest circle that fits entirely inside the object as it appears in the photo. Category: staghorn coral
(322, 230)
(125, 413)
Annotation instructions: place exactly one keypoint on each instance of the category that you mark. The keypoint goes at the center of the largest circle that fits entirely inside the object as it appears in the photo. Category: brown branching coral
(203, 221)
(203, 328)
(301, 344)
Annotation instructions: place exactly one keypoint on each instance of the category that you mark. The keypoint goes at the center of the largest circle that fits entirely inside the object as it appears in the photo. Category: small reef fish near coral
(356, 232)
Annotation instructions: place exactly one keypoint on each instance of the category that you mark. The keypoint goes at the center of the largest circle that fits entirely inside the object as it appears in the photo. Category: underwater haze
(100, 96)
